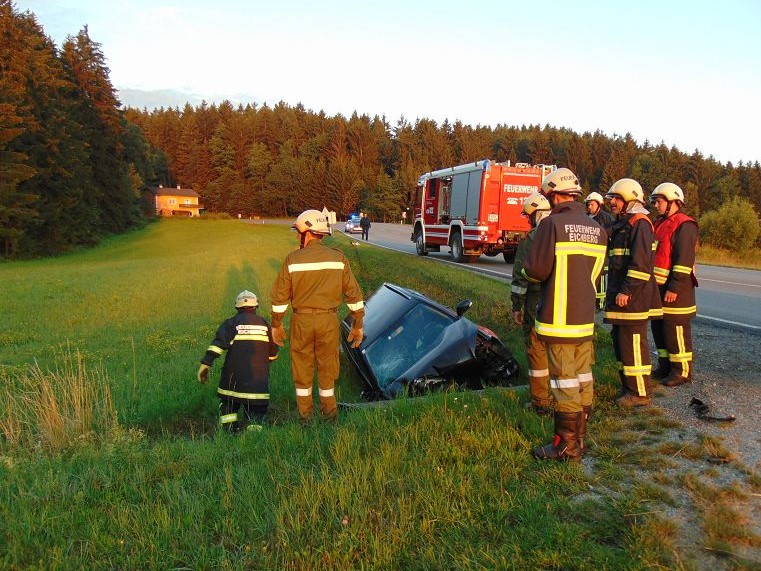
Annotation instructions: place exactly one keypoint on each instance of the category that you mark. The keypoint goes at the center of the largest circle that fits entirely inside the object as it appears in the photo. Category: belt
(314, 310)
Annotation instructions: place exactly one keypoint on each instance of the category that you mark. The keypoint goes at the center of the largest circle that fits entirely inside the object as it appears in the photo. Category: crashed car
(414, 345)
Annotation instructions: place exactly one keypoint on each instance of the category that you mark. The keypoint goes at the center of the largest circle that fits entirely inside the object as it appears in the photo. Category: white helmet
(312, 221)
(246, 299)
(561, 181)
(534, 202)
(596, 196)
(628, 190)
(669, 191)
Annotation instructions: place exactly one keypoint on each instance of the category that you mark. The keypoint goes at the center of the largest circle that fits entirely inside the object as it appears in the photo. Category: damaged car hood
(414, 344)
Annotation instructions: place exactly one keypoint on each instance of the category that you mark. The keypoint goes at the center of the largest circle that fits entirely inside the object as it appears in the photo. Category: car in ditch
(413, 345)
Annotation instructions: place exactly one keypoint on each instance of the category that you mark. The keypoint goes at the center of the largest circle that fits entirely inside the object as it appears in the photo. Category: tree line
(72, 168)
(74, 163)
(277, 161)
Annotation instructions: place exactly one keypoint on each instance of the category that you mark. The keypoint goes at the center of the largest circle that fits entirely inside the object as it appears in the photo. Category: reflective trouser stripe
(539, 371)
(564, 383)
(246, 396)
(683, 356)
(586, 377)
(641, 388)
(571, 380)
(674, 341)
(228, 418)
(632, 350)
(327, 393)
(315, 340)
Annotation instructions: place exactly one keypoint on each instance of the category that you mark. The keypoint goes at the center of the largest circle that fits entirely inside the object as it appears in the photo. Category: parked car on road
(352, 225)
(414, 344)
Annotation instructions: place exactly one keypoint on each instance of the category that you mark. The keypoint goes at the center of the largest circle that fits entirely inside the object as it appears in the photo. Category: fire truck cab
(475, 208)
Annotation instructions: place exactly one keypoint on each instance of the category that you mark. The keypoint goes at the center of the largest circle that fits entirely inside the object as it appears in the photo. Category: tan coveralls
(314, 280)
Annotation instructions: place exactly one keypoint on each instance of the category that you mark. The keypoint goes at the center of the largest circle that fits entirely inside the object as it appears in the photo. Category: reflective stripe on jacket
(674, 267)
(566, 256)
(630, 266)
(524, 294)
(316, 277)
(247, 338)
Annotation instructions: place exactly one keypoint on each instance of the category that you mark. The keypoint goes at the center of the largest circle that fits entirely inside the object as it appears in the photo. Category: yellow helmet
(596, 196)
(628, 190)
(669, 191)
(561, 181)
(312, 221)
(246, 299)
(534, 202)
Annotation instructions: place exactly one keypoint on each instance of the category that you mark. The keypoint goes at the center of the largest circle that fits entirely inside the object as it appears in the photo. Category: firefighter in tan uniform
(566, 257)
(676, 236)
(315, 279)
(524, 297)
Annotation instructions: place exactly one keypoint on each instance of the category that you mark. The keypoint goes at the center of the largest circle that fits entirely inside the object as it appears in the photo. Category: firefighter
(313, 279)
(524, 296)
(595, 210)
(676, 235)
(244, 382)
(594, 204)
(566, 257)
(632, 298)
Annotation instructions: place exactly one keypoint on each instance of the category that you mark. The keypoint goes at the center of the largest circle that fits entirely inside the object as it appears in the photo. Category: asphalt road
(726, 297)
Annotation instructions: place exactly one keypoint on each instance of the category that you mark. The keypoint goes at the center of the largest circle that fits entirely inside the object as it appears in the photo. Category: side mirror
(463, 306)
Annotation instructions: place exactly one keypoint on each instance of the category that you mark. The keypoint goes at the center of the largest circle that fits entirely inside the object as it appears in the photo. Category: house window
(172, 201)
(187, 201)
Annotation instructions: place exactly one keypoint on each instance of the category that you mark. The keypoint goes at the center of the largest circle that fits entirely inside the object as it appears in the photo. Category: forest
(76, 163)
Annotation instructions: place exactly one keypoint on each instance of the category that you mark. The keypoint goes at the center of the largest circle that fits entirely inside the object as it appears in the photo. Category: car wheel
(419, 243)
(456, 249)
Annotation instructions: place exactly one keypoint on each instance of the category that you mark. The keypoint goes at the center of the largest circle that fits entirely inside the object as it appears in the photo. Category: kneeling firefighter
(244, 382)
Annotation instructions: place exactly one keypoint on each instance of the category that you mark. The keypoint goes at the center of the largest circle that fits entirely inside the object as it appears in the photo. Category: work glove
(279, 336)
(203, 373)
(355, 337)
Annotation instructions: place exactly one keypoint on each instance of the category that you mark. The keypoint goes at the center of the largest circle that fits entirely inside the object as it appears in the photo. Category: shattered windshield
(410, 338)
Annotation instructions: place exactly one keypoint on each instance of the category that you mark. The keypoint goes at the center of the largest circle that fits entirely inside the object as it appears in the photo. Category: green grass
(138, 477)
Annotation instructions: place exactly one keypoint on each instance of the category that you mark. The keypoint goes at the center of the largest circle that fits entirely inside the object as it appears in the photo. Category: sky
(686, 73)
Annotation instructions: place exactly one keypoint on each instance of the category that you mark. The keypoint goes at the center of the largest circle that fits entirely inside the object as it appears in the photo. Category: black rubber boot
(663, 369)
(622, 390)
(564, 446)
(581, 431)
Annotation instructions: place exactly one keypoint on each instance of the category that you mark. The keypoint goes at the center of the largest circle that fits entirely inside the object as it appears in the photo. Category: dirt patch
(711, 469)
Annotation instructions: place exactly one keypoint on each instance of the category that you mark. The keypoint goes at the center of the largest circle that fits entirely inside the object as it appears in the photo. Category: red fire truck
(475, 208)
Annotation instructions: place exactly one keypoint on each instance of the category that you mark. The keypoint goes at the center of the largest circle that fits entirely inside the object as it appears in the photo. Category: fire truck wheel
(456, 247)
(419, 243)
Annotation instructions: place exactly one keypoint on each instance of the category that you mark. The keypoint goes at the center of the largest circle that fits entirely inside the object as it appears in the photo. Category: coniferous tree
(103, 125)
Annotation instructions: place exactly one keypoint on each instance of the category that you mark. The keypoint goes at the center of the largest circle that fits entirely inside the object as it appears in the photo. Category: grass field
(110, 458)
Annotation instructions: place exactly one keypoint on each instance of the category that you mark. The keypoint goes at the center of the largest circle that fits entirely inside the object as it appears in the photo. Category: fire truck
(475, 208)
